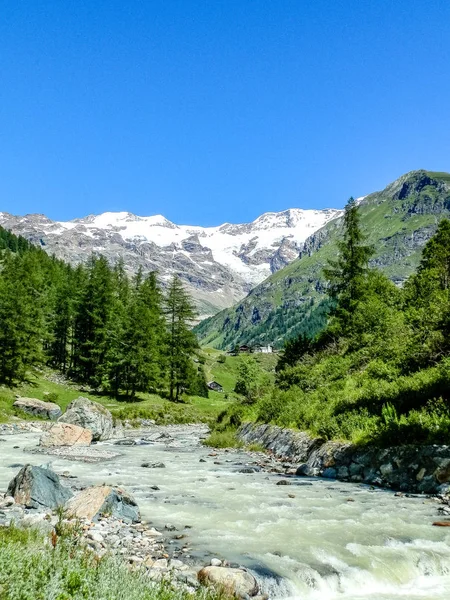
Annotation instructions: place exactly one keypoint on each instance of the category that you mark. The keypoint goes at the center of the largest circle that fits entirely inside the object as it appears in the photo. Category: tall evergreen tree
(22, 324)
(181, 341)
(346, 275)
(427, 296)
(92, 323)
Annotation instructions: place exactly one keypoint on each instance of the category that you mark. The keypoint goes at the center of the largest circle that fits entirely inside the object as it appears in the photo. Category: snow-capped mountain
(219, 265)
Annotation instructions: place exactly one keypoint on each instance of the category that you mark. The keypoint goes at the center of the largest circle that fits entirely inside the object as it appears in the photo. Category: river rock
(65, 434)
(408, 468)
(38, 408)
(237, 582)
(104, 499)
(89, 415)
(37, 487)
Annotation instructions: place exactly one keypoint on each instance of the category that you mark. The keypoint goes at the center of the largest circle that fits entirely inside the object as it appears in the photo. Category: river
(312, 539)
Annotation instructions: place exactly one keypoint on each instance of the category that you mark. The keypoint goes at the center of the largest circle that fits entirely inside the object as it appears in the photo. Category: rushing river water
(314, 539)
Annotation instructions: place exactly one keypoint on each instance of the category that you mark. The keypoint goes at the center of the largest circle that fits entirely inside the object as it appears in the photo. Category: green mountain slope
(398, 221)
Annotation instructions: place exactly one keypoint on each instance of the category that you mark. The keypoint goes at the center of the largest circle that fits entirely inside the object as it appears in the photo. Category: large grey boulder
(89, 415)
(103, 499)
(37, 487)
(38, 408)
(235, 582)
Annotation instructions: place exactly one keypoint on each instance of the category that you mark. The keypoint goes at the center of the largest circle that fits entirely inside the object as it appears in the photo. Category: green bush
(31, 568)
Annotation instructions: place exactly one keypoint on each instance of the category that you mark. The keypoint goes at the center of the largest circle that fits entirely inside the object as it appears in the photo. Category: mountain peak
(219, 265)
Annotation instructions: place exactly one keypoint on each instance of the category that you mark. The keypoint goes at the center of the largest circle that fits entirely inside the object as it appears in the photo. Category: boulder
(103, 499)
(37, 487)
(38, 408)
(236, 582)
(89, 415)
(65, 434)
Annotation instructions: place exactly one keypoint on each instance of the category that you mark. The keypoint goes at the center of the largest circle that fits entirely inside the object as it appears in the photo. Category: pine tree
(141, 351)
(181, 341)
(92, 323)
(346, 275)
(427, 295)
(22, 325)
(114, 363)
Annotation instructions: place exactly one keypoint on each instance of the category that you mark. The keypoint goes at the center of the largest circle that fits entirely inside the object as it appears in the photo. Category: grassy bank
(46, 385)
(33, 568)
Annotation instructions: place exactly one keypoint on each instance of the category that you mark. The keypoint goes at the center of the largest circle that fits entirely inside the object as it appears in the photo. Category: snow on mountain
(218, 264)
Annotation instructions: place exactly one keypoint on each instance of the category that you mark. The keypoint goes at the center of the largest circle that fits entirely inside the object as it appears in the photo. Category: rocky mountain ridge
(398, 222)
(219, 265)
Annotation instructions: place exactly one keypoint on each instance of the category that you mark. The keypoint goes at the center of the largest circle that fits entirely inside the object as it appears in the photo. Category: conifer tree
(427, 296)
(22, 326)
(141, 350)
(181, 341)
(92, 323)
(346, 275)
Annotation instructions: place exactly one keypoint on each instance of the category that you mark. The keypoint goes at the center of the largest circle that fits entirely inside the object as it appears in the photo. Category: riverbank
(416, 469)
(298, 536)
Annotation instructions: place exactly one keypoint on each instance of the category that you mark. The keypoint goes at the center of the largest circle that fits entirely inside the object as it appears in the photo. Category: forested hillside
(94, 324)
(380, 370)
(398, 222)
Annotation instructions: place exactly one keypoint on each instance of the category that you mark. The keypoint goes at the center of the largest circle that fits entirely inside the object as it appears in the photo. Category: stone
(96, 536)
(237, 582)
(89, 415)
(158, 465)
(215, 562)
(329, 473)
(7, 502)
(95, 501)
(443, 474)
(421, 474)
(125, 442)
(38, 408)
(65, 434)
(37, 487)
(161, 563)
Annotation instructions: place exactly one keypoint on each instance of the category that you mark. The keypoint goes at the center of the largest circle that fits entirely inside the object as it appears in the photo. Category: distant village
(251, 349)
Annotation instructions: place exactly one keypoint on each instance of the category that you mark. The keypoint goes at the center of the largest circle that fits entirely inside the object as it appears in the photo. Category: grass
(146, 406)
(33, 568)
(390, 226)
(223, 439)
(195, 409)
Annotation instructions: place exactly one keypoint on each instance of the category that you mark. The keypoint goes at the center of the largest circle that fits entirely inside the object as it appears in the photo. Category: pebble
(215, 562)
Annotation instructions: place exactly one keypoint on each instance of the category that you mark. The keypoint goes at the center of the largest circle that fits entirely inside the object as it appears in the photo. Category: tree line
(95, 324)
(379, 370)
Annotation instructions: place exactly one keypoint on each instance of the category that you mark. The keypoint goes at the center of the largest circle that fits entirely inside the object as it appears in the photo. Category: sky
(212, 111)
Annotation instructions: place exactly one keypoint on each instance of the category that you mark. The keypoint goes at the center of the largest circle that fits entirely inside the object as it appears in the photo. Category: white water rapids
(330, 541)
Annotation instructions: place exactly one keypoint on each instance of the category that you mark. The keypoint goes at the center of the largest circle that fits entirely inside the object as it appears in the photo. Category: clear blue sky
(217, 110)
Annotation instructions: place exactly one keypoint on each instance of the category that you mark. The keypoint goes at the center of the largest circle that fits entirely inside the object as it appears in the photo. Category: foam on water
(316, 545)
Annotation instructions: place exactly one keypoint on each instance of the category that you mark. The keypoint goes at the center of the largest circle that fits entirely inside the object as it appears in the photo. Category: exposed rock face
(89, 415)
(38, 408)
(97, 500)
(218, 265)
(405, 468)
(398, 221)
(65, 434)
(38, 487)
(236, 582)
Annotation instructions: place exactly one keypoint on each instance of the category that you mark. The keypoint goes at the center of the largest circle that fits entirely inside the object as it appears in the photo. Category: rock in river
(237, 582)
(104, 499)
(38, 408)
(38, 487)
(65, 434)
(89, 415)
